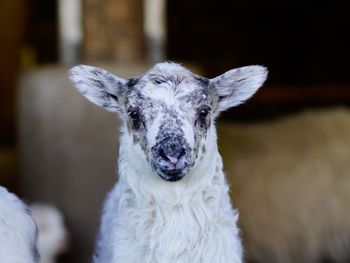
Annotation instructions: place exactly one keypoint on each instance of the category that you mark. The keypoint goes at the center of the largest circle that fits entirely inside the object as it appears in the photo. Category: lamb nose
(167, 156)
(172, 156)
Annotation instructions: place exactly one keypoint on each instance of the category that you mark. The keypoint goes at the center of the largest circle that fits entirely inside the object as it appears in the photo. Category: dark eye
(134, 115)
(203, 113)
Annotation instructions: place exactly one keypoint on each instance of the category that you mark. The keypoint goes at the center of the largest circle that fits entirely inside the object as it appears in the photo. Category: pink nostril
(173, 160)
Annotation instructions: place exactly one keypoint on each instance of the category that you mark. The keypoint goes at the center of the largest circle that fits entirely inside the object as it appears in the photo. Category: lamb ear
(98, 86)
(237, 85)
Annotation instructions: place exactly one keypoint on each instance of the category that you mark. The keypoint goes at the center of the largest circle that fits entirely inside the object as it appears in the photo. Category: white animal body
(53, 234)
(171, 203)
(18, 232)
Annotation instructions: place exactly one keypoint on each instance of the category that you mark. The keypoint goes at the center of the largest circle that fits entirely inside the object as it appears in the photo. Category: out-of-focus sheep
(18, 232)
(53, 235)
(291, 183)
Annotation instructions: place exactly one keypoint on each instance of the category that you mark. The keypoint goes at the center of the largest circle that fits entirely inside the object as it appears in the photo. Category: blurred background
(287, 151)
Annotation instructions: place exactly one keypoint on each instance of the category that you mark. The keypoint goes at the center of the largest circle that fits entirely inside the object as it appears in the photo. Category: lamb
(18, 231)
(171, 203)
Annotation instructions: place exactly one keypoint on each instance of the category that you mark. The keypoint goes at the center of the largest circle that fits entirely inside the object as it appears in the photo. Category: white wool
(18, 232)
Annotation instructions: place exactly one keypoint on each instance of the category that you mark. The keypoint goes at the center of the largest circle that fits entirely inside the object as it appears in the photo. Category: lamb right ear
(98, 86)
(237, 85)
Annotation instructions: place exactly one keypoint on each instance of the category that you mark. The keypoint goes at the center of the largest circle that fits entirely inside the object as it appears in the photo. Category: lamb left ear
(98, 86)
(237, 85)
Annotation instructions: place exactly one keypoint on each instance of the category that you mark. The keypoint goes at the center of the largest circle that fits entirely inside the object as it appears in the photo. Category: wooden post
(113, 30)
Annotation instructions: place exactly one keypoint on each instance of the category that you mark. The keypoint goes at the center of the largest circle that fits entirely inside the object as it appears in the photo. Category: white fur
(18, 233)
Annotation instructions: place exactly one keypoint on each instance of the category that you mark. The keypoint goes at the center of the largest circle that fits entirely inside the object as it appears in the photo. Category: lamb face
(168, 111)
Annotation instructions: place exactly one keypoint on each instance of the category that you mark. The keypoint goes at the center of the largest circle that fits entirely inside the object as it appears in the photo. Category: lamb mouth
(172, 175)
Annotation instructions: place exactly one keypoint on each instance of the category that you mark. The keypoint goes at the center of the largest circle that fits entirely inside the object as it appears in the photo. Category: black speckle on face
(136, 123)
(203, 149)
(204, 82)
(201, 103)
(132, 82)
(137, 113)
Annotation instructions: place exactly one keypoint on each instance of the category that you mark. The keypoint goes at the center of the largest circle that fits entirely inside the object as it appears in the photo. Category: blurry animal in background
(291, 185)
(171, 203)
(53, 235)
(18, 232)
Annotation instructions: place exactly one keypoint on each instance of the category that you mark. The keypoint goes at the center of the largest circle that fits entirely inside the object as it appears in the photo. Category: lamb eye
(134, 115)
(203, 113)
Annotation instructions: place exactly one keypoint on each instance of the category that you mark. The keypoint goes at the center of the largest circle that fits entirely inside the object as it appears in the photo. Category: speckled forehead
(168, 88)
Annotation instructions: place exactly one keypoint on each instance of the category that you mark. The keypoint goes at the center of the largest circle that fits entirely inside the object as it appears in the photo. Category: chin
(172, 175)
